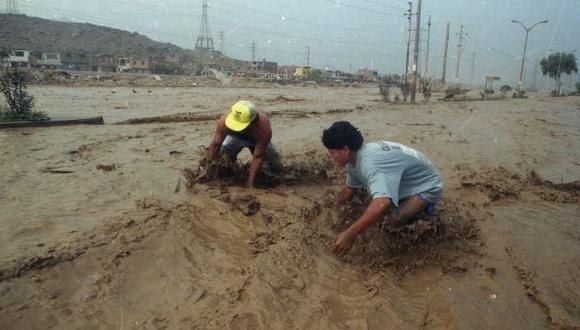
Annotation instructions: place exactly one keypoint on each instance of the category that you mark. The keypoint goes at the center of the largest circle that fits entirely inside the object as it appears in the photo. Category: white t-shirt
(392, 170)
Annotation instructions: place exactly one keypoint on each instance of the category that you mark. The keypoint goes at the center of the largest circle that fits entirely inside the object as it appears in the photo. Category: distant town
(181, 65)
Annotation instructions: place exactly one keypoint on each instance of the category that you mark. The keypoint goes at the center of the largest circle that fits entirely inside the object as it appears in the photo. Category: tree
(13, 86)
(556, 64)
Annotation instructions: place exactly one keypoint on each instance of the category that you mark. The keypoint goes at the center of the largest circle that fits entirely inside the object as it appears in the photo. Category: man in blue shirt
(396, 176)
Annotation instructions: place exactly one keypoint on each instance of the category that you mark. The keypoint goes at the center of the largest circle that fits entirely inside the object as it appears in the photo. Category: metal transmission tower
(204, 39)
(12, 7)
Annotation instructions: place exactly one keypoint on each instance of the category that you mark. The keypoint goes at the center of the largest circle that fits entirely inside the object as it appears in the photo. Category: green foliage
(13, 86)
(314, 75)
(20, 101)
(505, 88)
(167, 68)
(4, 53)
(577, 87)
(554, 65)
(452, 90)
(7, 115)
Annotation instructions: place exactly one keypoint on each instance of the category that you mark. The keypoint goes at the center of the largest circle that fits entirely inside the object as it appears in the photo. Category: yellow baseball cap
(241, 115)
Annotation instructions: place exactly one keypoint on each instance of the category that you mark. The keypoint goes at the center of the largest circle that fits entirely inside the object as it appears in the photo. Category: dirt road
(98, 229)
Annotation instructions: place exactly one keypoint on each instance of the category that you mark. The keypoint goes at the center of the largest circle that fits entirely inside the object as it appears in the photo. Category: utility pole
(445, 55)
(459, 49)
(254, 64)
(307, 56)
(472, 74)
(416, 53)
(409, 14)
(426, 72)
(222, 49)
(521, 88)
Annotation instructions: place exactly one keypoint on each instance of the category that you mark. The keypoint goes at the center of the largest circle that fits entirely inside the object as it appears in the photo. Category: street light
(521, 89)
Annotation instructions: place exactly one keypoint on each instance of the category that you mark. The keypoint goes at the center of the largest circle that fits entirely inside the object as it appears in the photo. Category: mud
(146, 245)
(500, 184)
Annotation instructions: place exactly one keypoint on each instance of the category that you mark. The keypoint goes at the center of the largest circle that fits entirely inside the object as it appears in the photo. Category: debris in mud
(499, 184)
(54, 170)
(174, 118)
(106, 168)
(438, 240)
(281, 98)
(248, 204)
(261, 241)
(225, 172)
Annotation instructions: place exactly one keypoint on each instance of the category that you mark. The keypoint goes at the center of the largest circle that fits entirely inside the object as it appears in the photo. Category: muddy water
(84, 247)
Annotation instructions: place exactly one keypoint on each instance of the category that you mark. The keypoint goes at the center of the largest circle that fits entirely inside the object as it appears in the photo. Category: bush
(505, 88)
(577, 87)
(20, 101)
(7, 115)
(167, 68)
(452, 90)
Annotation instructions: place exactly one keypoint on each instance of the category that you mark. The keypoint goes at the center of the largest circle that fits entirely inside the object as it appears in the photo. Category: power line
(298, 20)
(340, 4)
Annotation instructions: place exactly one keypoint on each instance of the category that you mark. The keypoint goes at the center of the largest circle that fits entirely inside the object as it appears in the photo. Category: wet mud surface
(111, 227)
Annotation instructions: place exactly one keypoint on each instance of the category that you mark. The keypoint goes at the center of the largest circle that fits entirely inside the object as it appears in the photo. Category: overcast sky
(346, 34)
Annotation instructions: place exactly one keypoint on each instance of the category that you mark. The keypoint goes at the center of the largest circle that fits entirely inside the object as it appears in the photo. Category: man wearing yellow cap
(245, 127)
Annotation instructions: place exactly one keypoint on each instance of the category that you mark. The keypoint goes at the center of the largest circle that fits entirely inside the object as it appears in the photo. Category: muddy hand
(202, 175)
(343, 241)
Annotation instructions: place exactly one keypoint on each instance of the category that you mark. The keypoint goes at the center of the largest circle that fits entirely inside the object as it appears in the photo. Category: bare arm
(218, 139)
(257, 160)
(344, 195)
(376, 209)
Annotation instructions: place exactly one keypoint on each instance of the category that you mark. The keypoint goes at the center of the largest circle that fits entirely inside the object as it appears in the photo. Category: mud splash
(438, 240)
(223, 172)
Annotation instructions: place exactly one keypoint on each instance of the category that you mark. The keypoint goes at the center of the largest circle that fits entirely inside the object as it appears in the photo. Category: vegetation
(20, 102)
(505, 88)
(577, 88)
(554, 65)
(314, 75)
(167, 68)
(452, 90)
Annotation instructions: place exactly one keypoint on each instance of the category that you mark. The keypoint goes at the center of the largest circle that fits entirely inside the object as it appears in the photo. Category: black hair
(341, 134)
(255, 118)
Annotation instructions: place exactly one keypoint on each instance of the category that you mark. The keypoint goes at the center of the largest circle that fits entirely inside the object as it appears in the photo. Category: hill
(33, 33)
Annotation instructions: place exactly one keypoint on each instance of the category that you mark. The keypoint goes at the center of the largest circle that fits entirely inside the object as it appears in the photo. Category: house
(75, 61)
(19, 58)
(301, 72)
(367, 75)
(140, 64)
(287, 70)
(49, 60)
(103, 63)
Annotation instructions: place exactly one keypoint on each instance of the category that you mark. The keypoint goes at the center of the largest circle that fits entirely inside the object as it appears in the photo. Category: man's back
(392, 170)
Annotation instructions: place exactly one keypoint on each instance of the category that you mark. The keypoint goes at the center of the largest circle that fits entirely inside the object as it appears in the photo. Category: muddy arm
(257, 160)
(218, 139)
(376, 209)
(344, 195)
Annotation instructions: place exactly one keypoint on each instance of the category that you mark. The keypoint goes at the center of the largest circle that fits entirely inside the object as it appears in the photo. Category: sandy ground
(98, 229)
